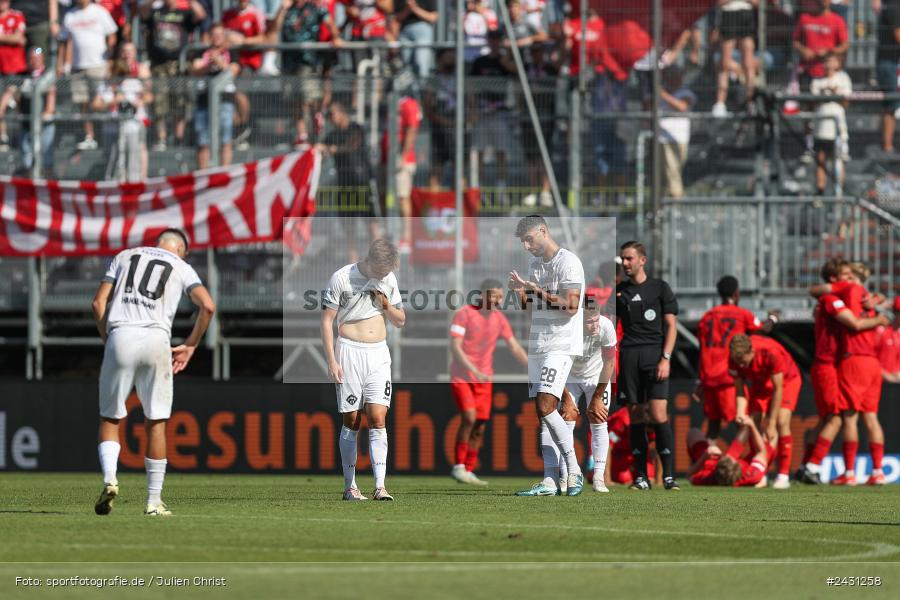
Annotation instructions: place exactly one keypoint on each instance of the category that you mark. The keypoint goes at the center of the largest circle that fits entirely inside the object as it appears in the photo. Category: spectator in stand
(480, 19)
(831, 120)
(439, 103)
(416, 20)
(126, 95)
(492, 119)
(816, 36)
(300, 21)
(269, 8)
(524, 31)
(409, 118)
(737, 31)
(42, 19)
(169, 27)
(246, 24)
(345, 143)
(888, 63)
(889, 348)
(534, 12)
(368, 20)
(216, 59)
(675, 131)
(542, 75)
(22, 95)
(89, 33)
(117, 10)
(12, 40)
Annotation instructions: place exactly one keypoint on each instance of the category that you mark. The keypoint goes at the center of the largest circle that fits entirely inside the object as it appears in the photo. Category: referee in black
(647, 310)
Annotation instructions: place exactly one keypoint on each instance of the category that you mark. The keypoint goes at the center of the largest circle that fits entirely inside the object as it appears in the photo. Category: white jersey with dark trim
(147, 287)
(351, 294)
(554, 331)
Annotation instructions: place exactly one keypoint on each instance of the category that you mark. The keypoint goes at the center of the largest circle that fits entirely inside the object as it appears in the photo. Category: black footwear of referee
(804, 475)
(640, 483)
(670, 484)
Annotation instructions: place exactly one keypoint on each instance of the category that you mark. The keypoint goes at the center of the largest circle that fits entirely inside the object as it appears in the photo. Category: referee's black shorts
(637, 375)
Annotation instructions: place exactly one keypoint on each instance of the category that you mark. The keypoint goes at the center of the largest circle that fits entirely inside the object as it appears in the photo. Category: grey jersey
(349, 292)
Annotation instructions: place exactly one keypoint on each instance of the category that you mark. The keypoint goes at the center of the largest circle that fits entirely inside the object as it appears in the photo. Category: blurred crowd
(124, 57)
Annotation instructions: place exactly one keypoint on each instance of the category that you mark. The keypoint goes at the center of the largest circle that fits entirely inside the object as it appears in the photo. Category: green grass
(291, 536)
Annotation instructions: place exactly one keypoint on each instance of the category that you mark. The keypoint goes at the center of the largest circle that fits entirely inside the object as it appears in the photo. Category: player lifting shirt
(362, 297)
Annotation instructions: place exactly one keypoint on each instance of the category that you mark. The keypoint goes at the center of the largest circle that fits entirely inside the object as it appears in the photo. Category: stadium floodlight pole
(460, 140)
(655, 54)
(536, 124)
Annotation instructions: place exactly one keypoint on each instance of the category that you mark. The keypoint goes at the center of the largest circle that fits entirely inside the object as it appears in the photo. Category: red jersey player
(473, 337)
(889, 348)
(715, 330)
(859, 375)
(763, 366)
(832, 316)
(620, 467)
(739, 467)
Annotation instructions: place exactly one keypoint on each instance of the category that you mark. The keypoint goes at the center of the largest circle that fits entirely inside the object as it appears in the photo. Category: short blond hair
(383, 255)
(740, 346)
(728, 471)
(860, 271)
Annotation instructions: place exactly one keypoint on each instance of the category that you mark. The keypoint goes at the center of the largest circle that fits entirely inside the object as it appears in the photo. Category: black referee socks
(665, 447)
(639, 447)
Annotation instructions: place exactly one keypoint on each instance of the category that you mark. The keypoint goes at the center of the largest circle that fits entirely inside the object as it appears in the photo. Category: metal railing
(775, 246)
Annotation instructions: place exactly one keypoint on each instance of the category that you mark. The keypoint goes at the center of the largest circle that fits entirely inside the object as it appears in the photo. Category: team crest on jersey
(650, 314)
(351, 400)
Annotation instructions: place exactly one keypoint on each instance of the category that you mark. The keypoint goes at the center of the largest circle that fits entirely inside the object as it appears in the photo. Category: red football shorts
(760, 404)
(473, 395)
(859, 378)
(719, 403)
(827, 391)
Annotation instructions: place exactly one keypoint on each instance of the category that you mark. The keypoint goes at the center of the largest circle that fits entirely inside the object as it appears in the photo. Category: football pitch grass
(292, 537)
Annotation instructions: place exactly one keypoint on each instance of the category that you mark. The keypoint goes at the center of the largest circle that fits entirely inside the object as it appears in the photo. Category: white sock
(347, 444)
(599, 448)
(562, 437)
(378, 451)
(551, 456)
(563, 469)
(156, 473)
(109, 460)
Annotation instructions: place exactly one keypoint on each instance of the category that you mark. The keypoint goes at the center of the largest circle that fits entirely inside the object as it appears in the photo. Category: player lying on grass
(473, 338)
(858, 373)
(553, 291)
(589, 379)
(715, 330)
(363, 297)
(832, 319)
(767, 385)
(743, 465)
(134, 309)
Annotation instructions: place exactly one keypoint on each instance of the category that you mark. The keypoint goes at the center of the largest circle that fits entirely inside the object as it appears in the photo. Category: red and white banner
(434, 226)
(215, 207)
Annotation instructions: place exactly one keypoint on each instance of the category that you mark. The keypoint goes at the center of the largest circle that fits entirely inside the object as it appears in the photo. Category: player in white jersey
(554, 292)
(134, 308)
(363, 297)
(590, 378)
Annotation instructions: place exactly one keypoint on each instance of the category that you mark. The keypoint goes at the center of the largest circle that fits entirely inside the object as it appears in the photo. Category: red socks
(850, 449)
(877, 451)
(471, 460)
(785, 446)
(462, 448)
(819, 451)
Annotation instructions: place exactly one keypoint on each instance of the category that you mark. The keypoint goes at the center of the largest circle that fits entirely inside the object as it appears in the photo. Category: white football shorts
(138, 358)
(367, 374)
(548, 373)
(579, 388)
